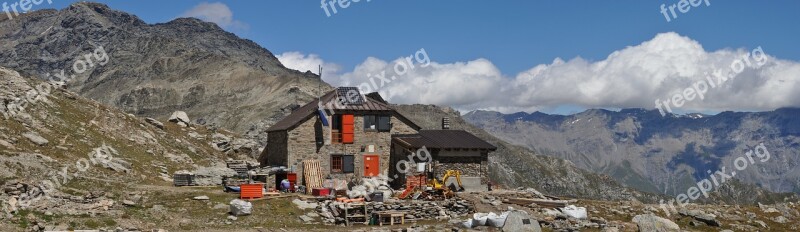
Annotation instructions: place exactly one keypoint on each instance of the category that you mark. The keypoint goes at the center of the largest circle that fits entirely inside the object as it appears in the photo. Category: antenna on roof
(319, 84)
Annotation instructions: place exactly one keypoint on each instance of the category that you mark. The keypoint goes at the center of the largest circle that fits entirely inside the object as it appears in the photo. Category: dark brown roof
(376, 96)
(307, 111)
(444, 139)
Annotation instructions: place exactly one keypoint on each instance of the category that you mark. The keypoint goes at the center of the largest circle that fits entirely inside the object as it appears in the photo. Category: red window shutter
(348, 124)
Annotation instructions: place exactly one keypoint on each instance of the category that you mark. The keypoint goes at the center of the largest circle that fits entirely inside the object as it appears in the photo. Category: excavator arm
(453, 173)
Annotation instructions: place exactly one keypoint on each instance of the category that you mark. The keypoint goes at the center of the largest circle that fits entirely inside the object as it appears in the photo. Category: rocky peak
(99, 12)
(193, 25)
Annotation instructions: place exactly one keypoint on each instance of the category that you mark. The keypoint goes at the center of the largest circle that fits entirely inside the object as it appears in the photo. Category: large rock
(653, 223)
(520, 221)
(708, 219)
(155, 123)
(212, 176)
(179, 116)
(240, 207)
(35, 138)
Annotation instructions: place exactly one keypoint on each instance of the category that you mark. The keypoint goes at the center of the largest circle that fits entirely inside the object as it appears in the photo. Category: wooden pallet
(312, 172)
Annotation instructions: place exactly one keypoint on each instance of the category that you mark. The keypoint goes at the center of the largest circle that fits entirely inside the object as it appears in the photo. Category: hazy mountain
(644, 150)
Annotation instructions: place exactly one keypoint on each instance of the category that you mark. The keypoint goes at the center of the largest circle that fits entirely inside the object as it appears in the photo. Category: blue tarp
(323, 117)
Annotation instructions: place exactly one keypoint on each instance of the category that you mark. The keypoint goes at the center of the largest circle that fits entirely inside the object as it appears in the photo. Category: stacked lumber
(312, 174)
(540, 202)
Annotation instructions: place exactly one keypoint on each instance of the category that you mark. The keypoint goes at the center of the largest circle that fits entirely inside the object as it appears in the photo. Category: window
(342, 129)
(382, 123)
(336, 164)
(342, 163)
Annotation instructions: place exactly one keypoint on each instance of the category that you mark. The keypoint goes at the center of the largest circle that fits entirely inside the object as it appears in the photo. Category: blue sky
(514, 36)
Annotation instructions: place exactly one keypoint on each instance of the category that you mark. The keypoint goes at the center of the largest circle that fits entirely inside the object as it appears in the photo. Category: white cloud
(216, 12)
(631, 77)
(300, 62)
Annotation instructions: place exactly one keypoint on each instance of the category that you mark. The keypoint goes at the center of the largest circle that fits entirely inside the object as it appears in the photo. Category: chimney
(446, 123)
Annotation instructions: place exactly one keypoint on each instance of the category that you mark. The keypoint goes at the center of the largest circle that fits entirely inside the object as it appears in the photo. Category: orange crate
(251, 191)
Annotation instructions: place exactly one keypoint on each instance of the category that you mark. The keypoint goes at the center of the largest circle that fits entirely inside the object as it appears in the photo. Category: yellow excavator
(438, 186)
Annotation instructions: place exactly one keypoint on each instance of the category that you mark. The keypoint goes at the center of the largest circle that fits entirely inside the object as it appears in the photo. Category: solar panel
(350, 96)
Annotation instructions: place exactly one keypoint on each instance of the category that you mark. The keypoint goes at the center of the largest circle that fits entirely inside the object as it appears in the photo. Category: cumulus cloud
(216, 12)
(635, 76)
(300, 62)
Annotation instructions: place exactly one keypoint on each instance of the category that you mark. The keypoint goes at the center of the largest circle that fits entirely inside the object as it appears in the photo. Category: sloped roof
(305, 112)
(444, 139)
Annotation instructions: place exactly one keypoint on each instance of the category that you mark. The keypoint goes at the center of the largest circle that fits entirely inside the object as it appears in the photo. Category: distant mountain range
(664, 154)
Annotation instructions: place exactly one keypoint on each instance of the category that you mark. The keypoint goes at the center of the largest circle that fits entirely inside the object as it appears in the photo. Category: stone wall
(276, 152)
(469, 165)
(303, 144)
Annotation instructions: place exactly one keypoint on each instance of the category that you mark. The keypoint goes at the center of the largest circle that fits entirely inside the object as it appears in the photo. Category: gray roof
(444, 139)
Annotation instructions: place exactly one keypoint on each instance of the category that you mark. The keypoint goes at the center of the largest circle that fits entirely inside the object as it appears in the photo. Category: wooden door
(372, 165)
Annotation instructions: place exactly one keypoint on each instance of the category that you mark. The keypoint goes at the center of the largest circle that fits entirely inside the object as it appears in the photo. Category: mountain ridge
(646, 151)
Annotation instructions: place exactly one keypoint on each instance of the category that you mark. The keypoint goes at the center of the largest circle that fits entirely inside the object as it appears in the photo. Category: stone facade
(311, 140)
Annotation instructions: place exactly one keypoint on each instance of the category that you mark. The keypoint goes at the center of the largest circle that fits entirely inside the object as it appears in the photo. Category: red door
(372, 165)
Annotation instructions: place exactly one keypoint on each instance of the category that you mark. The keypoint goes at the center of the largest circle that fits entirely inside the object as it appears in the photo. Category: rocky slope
(64, 158)
(152, 70)
(669, 154)
(514, 165)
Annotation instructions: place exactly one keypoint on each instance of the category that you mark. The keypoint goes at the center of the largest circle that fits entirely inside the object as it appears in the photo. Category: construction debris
(333, 212)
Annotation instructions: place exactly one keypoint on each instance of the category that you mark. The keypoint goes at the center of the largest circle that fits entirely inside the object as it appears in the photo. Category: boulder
(780, 219)
(128, 203)
(212, 176)
(201, 198)
(520, 221)
(35, 138)
(653, 223)
(6, 144)
(179, 116)
(155, 123)
(306, 219)
(708, 219)
(240, 207)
